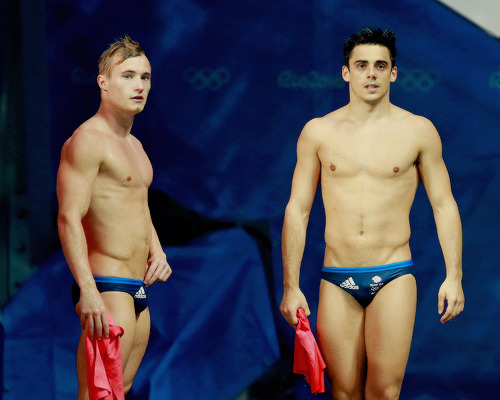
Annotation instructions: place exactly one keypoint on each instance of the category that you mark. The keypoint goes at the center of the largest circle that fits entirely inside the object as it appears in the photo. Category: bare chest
(384, 155)
(126, 165)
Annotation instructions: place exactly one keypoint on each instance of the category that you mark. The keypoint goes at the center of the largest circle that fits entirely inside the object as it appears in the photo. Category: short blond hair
(125, 47)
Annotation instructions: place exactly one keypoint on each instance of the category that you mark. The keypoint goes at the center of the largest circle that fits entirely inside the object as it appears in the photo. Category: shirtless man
(106, 231)
(370, 156)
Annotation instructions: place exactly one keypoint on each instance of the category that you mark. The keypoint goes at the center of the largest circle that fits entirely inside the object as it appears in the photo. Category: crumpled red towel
(307, 359)
(104, 365)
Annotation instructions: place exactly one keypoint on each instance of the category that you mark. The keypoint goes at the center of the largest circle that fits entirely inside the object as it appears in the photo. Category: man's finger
(307, 311)
(98, 328)
(165, 275)
(450, 313)
(89, 324)
(148, 273)
(105, 325)
(440, 303)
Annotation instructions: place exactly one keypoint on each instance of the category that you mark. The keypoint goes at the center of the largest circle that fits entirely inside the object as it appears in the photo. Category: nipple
(396, 170)
(129, 178)
(333, 167)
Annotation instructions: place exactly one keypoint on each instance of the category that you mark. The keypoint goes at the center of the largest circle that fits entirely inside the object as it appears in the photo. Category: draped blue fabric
(212, 328)
(233, 84)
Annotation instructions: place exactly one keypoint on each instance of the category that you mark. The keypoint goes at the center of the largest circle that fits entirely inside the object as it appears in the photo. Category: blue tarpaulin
(212, 329)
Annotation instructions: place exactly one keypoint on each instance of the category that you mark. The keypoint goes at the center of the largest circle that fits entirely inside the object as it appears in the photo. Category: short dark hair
(125, 47)
(371, 36)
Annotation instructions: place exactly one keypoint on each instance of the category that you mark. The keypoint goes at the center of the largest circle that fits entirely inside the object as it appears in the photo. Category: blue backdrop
(233, 84)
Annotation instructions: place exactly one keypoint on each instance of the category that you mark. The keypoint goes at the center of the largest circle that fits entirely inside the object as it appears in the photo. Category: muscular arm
(446, 215)
(80, 162)
(304, 185)
(158, 268)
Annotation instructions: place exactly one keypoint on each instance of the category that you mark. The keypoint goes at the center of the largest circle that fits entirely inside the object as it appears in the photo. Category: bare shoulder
(421, 127)
(136, 142)
(335, 117)
(317, 128)
(310, 138)
(418, 122)
(85, 144)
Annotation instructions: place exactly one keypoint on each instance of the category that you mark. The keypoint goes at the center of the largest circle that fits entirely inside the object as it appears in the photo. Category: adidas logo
(141, 294)
(349, 284)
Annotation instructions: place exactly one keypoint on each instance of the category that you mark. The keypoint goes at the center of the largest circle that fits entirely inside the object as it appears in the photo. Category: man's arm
(80, 162)
(158, 268)
(446, 215)
(293, 239)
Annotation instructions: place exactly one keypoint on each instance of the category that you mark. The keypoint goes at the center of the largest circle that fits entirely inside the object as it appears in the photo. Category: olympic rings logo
(206, 78)
(495, 80)
(312, 80)
(418, 79)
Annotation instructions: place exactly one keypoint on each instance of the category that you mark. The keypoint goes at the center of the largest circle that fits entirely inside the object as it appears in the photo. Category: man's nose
(371, 72)
(139, 85)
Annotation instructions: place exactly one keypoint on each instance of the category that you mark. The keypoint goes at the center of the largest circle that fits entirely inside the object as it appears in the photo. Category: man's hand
(158, 270)
(292, 300)
(92, 313)
(451, 291)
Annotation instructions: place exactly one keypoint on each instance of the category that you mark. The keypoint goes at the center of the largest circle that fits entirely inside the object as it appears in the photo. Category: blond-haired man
(104, 223)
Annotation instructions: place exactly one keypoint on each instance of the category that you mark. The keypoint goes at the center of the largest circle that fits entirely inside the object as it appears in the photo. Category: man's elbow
(445, 205)
(296, 211)
(66, 219)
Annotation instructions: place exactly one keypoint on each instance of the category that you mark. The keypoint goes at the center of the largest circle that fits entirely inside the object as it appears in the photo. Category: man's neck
(118, 122)
(363, 111)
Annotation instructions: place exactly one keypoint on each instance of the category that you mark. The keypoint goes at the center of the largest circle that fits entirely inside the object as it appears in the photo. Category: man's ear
(102, 82)
(394, 74)
(345, 73)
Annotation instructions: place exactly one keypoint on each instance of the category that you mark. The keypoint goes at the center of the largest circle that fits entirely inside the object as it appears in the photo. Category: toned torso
(118, 225)
(369, 176)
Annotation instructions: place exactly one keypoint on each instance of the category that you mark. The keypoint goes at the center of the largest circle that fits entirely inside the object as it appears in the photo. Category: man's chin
(137, 110)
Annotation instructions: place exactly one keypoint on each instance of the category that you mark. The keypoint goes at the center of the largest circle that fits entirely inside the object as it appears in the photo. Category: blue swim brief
(136, 288)
(364, 283)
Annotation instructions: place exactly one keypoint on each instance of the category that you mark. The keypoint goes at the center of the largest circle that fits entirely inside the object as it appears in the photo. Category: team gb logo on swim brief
(377, 285)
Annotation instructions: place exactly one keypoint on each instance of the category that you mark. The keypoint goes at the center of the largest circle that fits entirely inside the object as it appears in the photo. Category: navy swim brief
(136, 288)
(364, 283)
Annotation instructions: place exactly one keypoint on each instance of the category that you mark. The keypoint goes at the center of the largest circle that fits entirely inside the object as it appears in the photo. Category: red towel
(307, 359)
(104, 365)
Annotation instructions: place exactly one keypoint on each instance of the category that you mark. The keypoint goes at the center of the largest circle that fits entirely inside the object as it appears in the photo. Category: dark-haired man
(105, 227)
(370, 156)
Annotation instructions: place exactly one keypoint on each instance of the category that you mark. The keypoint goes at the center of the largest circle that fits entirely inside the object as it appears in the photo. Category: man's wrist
(159, 254)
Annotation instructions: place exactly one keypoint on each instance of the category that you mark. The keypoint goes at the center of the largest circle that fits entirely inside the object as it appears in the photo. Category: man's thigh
(136, 332)
(340, 330)
(388, 331)
(120, 306)
(141, 339)
(81, 368)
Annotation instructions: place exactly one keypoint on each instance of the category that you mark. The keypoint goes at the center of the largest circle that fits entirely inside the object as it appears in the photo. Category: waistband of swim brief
(116, 279)
(385, 267)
